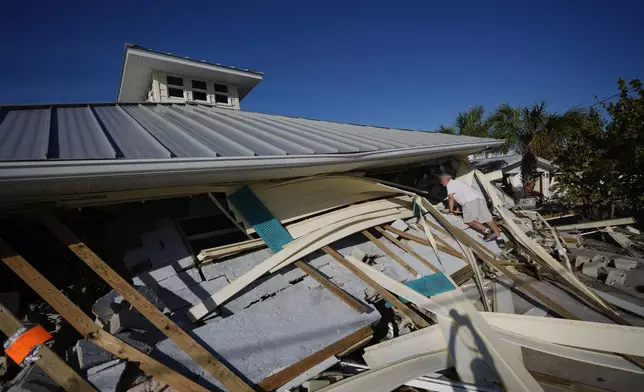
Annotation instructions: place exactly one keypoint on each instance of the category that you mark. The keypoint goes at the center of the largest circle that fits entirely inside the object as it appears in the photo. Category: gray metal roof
(166, 131)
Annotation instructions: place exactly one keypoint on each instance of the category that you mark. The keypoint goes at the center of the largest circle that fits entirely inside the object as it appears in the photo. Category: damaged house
(173, 241)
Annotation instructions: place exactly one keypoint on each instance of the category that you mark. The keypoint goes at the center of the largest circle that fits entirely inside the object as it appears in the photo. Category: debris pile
(346, 283)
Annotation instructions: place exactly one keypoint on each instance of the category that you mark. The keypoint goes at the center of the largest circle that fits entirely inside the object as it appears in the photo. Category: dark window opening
(221, 88)
(221, 98)
(199, 84)
(175, 92)
(199, 96)
(175, 81)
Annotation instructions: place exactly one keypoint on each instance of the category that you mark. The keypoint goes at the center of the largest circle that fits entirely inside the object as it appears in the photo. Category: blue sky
(400, 64)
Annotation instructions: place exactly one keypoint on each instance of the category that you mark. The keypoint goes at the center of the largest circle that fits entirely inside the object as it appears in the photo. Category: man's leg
(476, 225)
(495, 228)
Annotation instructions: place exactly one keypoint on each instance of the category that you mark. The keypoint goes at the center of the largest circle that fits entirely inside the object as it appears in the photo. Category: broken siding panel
(80, 136)
(130, 138)
(24, 135)
(173, 138)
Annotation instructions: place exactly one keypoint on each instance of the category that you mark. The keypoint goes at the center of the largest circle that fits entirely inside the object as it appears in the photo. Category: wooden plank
(338, 292)
(398, 304)
(48, 361)
(406, 248)
(462, 275)
(228, 250)
(620, 303)
(294, 251)
(390, 253)
(582, 334)
(442, 245)
(282, 377)
(86, 327)
(227, 215)
(184, 341)
(597, 224)
(624, 242)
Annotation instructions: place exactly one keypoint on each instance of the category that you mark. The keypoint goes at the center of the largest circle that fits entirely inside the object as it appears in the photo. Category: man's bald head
(445, 178)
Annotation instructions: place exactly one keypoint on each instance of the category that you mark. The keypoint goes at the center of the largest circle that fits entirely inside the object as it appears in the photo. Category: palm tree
(471, 122)
(533, 132)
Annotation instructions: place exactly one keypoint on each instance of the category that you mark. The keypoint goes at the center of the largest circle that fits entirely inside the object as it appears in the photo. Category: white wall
(159, 91)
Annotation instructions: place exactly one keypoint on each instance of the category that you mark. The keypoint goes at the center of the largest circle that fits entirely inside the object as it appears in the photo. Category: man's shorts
(476, 210)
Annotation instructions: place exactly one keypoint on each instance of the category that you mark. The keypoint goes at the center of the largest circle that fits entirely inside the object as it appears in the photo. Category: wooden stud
(184, 341)
(338, 292)
(442, 245)
(48, 361)
(86, 327)
(338, 348)
(406, 248)
(227, 215)
(390, 253)
(398, 304)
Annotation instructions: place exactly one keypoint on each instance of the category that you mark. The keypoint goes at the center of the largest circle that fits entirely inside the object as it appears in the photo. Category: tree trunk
(528, 172)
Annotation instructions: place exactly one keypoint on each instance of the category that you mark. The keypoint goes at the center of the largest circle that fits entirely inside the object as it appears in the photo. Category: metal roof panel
(24, 135)
(130, 138)
(80, 136)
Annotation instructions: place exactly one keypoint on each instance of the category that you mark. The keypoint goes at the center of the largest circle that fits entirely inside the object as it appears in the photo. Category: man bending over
(474, 207)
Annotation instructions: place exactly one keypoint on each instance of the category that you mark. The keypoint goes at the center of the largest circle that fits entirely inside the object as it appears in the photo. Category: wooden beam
(390, 253)
(227, 215)
(341, 346)
(597, 224)
(406, 248)
(48, 361)
(462, 275)
(86, 327)
(398, 304)
(184, 341)
(338, 292)
(442, 245)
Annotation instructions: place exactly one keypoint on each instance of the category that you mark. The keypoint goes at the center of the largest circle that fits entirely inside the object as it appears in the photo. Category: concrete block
(106, 307)
(615, 277)
(180, 281)
(129, 319)
(11, 301)
(106, 377)
(193, 295)
(581, 260)
(90, 355)
(139, 259)
(34, 379)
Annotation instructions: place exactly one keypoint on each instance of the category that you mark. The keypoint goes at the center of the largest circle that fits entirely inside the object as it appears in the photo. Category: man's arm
(450, 202)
